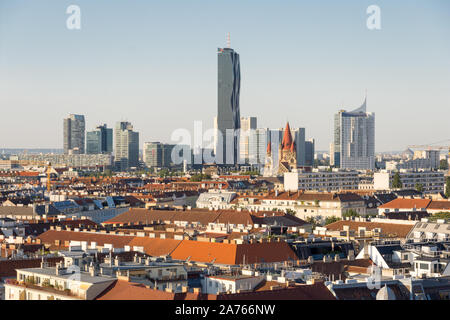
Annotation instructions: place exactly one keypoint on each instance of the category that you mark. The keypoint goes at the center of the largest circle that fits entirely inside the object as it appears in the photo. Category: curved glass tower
(228, 114)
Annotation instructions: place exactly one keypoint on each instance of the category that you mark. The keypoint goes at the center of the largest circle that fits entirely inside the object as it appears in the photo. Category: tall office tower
(158, 154)
(309, 152)
(247, 134)
(74, 127)
(354, 139)
(228, 114)
(126, 143)
(99, 140)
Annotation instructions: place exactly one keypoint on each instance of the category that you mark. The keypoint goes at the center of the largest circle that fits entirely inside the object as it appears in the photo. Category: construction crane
(428, 147)
(431, 146)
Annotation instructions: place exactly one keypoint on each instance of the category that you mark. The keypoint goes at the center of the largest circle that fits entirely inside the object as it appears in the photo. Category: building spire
(228, 40)
(287, 138)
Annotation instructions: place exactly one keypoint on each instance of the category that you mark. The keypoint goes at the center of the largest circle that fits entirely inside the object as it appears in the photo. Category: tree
(447, 187)
(439, 215)
(396, 181)
(312, 221)
(443, 164)
(350, 213)
(331, 219)
(419, 187)
(200, 177)
(290, 211)
(164, 173)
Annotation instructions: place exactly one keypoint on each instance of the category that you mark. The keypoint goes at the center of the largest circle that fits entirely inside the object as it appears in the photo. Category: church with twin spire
(287, 155)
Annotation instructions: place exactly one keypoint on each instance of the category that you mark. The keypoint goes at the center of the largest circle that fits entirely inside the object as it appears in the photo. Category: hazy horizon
(155, 65)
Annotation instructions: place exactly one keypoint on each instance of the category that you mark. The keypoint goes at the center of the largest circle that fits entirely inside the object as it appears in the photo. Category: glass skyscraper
(99, 140)
(126, 151)
(158, 154)
(74, 130)
(354, 139)
(228, 113)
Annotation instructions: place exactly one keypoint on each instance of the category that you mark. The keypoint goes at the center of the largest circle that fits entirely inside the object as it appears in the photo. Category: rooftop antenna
(228, 40)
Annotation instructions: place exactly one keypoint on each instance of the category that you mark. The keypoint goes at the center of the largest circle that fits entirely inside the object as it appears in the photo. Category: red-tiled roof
(118, 241)
(439, 205)
(8, 267)
(403, 203)
(199, 251)
(287, 138)
(229, 253)
(124, 290)
(155, 246)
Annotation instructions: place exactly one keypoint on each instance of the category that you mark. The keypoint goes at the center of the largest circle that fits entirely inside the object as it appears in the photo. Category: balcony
(46, 288)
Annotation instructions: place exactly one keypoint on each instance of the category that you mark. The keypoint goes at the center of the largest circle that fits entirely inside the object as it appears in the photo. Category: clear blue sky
(154, 64)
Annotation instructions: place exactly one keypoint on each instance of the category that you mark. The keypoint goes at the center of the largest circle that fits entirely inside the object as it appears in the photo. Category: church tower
(268, 166)
(287, 161)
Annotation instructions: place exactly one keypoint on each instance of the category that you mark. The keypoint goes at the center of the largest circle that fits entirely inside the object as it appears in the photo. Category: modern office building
(74, 130)
(99, 140)
(354, 139)
(126, 143)
(309, 152)
(248, 127)
(157, 154)
(228, 113)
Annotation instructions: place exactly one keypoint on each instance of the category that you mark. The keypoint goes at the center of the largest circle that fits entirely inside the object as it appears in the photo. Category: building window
(424, 266)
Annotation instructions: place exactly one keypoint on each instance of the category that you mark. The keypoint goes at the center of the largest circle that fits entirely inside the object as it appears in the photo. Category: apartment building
(322, 180)
(431, 181)
(305, 204)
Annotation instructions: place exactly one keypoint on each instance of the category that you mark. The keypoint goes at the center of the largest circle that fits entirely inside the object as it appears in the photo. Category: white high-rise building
(354, 139)
(248, 125)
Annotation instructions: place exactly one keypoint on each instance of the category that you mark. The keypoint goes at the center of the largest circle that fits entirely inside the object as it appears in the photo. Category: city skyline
(294, 65)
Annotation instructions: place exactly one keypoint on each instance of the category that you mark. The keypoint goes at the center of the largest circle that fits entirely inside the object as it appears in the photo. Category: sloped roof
(124, 290)
(202, 216)
(220, 253)
(155, 246)
(264, 252)
(8, 267)
(316, 291)
(287, 138)
(232, 254)
(439, 205)
(118, 241)
(393, 229)
(403, 203)
(364, 293)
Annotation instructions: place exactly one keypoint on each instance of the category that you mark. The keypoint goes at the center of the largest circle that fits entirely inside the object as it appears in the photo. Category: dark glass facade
(228, 113)
(99, 140)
